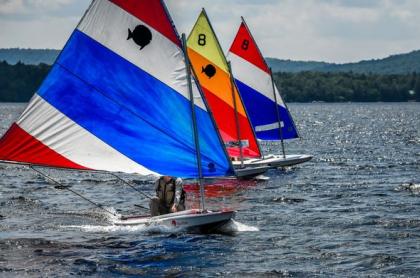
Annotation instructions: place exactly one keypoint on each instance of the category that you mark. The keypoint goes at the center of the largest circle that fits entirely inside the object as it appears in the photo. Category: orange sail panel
(212, 71)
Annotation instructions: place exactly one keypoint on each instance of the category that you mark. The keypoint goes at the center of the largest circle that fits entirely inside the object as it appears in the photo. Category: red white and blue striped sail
(253, 79)
(117, 99)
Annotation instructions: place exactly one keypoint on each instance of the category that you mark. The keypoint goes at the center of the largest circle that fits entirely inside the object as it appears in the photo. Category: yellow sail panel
(219, 83)
(203, 40)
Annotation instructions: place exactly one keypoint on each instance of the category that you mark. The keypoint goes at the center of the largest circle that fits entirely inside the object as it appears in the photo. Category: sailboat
(214, 76)
(119, 98)
(267, 111)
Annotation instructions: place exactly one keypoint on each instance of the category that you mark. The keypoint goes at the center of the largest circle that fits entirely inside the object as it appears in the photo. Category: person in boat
(170, 196)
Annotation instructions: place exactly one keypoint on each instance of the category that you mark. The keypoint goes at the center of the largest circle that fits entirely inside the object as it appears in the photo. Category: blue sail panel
(140, 140)
(263, 114)
(251, 70)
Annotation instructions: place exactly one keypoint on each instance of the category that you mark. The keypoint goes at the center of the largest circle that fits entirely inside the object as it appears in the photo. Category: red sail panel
(226, 124)
(18, 145)
(151, 12)
(244, 46)
(218, 92)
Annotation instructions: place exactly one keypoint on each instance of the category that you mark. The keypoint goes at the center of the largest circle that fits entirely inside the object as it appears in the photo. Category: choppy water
(351, 211)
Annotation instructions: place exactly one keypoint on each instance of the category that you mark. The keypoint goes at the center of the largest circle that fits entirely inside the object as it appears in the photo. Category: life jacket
(166, 193)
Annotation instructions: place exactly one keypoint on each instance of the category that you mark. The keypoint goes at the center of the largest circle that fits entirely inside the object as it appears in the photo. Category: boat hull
(250, 171)
(274, 161)
(190, 220)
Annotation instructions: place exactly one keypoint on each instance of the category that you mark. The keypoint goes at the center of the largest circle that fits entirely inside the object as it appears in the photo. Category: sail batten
(253, 78)
(117, 99)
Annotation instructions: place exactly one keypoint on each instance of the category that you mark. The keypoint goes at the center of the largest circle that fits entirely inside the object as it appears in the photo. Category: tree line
(19, 82)
(348, 86)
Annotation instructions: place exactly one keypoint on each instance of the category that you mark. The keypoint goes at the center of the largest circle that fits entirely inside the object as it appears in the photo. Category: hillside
(28, 56)
(279, 65)
(395, 64)
(19, 82)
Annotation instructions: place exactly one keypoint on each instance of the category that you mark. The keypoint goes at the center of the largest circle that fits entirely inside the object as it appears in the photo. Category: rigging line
(223, 56)
(279, 119)
(130, 185)
(129, 110)
(61, 186)
(140, 206)
(194, 120)
(238, 127)
(271, 73)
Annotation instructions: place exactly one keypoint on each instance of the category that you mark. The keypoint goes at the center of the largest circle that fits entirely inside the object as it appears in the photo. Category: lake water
(351, 211)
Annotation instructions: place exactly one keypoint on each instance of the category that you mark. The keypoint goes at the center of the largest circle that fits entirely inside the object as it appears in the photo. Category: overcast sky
(320, 30)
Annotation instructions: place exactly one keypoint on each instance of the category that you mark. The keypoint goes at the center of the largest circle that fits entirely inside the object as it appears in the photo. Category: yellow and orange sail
(212, 71)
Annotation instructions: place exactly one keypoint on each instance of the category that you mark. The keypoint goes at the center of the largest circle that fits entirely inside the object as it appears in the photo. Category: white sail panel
(260, 81)
(108, 24)
(59, 133)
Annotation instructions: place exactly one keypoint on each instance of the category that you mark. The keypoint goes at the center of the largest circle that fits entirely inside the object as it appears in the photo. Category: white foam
(106, 229)
(123, 228)
(262, 178)
(234, 227)
(231, 227)
(412, 187)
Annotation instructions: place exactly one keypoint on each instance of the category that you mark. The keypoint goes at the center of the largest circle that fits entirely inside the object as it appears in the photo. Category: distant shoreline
(402, 63)
(19, 82)
(293, 103)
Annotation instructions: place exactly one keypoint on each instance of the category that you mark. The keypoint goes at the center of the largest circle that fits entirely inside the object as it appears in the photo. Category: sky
(337, 31)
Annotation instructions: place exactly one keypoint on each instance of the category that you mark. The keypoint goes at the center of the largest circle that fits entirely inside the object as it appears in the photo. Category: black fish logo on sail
(141, 35)
(212, 167)
(209, 70)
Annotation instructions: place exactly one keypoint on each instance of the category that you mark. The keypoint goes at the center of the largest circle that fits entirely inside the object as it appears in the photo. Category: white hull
(193, 219)
(250, 171)
(274, 161)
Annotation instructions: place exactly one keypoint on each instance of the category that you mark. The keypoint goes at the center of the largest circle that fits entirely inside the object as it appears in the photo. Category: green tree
(417, 88)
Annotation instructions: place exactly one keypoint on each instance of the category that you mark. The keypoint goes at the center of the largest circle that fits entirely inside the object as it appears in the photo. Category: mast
(194, 120)
(233, 85)
(238, 128)
(193, 76)
(278, 114)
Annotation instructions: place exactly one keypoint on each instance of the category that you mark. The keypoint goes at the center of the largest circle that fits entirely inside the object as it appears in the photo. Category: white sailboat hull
(274, 161)
(193, 219)
(250, 171)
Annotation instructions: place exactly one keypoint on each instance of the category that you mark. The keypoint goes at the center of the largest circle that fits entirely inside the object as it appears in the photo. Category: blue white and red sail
(253, 79)
(117, 99)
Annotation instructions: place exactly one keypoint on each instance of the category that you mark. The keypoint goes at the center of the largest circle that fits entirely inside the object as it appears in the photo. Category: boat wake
(233, 227)
(411, 187)
(141, 228)
(109, 225)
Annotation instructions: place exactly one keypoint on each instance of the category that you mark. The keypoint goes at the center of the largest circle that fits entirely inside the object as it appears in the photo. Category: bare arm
(178, 191)
(157, 186)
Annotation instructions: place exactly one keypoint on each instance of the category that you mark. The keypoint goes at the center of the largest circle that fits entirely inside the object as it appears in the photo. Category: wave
(233, 227)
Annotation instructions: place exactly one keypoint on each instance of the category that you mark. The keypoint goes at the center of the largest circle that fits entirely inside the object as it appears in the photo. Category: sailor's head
(167, 178)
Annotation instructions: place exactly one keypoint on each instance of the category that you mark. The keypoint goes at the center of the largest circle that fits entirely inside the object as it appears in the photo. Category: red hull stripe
(226, 124)
(151, 12)
(18, 145)
(245, 47)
